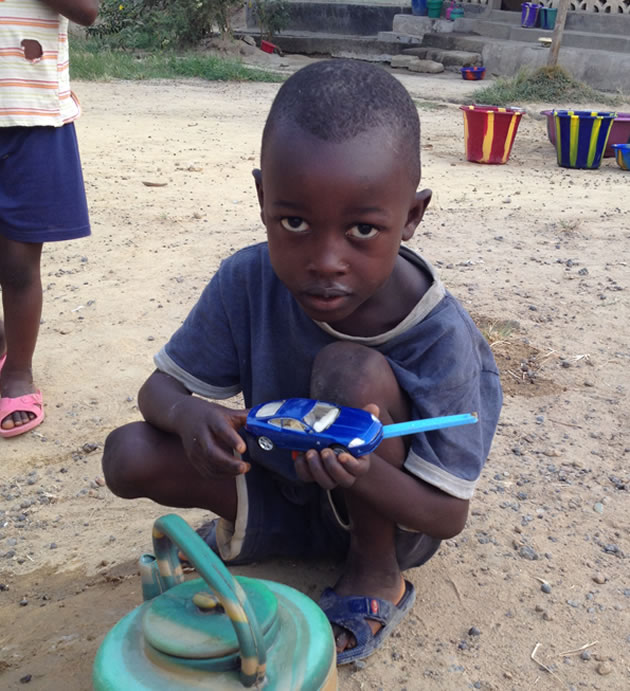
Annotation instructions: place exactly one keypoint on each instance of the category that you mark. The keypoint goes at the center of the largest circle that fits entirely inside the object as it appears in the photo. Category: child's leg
(354, 375)
(261, 521)
(34, 208)
(22, 306)
(140, 460)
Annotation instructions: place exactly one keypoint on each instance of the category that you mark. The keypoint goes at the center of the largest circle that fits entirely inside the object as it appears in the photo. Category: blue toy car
(301, 424)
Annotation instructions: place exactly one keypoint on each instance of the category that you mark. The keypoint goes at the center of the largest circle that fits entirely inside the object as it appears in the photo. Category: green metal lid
(184, 621)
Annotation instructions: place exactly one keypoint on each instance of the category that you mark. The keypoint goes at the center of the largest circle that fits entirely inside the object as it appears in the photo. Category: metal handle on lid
(171, 534)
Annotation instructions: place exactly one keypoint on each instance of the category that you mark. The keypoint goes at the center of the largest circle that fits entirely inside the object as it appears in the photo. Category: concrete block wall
(344, 18)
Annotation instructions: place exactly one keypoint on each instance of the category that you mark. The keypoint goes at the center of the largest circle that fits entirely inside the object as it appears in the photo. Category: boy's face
(335, 215)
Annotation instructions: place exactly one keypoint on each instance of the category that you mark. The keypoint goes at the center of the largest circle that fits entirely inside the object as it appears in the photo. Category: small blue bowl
(473, 73)
(622, 155)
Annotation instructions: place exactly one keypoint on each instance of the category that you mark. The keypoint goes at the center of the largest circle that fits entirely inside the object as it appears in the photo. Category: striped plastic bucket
(529, 14)
(581, 137)
(622, 155)
(489, 132)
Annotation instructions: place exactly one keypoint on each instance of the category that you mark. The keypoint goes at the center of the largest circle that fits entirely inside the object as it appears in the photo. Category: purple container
(529, 14)
(619, 132)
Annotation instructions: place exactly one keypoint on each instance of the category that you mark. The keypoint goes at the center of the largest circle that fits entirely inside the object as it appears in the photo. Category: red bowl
(474, 73)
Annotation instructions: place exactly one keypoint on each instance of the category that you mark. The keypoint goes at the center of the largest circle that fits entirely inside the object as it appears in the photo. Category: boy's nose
(327, 257)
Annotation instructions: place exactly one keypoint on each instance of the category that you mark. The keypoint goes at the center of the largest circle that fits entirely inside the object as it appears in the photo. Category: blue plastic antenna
(415, 426)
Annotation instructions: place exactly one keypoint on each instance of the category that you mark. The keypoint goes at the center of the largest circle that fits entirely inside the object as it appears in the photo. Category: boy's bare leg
(140, 460)
(22, 305)
(354, 375)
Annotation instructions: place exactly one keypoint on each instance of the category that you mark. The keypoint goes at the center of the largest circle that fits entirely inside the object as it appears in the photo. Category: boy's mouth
(325, 299)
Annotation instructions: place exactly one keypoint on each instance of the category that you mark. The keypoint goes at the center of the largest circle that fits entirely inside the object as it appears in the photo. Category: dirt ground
(535, 592)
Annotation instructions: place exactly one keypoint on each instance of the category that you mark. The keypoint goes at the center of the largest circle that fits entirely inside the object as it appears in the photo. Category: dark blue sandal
(351, 613)
(208, 533)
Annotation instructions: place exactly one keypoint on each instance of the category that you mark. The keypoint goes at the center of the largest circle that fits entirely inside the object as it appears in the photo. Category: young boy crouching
(333, 307)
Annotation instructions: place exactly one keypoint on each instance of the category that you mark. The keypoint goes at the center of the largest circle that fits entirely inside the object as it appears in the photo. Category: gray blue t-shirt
(248, 334)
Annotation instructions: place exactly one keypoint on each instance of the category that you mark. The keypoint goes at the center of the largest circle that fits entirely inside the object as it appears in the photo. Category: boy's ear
(416, 212)
(257, 173)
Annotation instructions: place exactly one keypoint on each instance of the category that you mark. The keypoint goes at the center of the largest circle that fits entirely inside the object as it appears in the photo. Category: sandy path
(543, 247)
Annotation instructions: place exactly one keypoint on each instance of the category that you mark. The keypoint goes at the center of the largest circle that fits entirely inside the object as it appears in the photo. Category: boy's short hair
(335, 100)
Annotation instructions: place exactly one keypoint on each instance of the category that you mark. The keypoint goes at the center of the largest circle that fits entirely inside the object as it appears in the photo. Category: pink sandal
(29, 403)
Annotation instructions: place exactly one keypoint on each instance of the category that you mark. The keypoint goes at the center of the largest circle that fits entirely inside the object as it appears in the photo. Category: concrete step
(574, 39)
(411, 25)
(503, 16)
(337, 45)
(485, 27)
(602, 69)
(419, 26)
(449, 58)
(395, 37)
(589, 22)
(343, 18)
(455, 41)
(577, 39)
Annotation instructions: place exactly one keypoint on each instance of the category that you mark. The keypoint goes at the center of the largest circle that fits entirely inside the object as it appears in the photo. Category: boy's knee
(122, 467)
(350, 374)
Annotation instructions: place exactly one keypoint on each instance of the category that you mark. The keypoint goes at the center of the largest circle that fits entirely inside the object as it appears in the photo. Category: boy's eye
(294, 224)
(363, 231)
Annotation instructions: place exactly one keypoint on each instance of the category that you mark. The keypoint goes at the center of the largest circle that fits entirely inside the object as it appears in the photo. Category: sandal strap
(29, 403)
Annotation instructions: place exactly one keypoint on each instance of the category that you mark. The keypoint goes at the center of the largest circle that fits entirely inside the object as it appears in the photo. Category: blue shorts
(276, 518)
(42, 197)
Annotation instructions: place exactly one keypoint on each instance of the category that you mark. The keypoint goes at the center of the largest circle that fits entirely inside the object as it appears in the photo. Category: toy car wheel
(265, 443)
(337, 448)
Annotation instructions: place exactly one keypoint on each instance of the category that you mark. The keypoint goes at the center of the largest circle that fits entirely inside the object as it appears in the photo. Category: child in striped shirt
(42, 197)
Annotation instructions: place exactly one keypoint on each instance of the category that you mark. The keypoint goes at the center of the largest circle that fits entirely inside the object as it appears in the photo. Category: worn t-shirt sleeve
(453, 373)
(201, 354)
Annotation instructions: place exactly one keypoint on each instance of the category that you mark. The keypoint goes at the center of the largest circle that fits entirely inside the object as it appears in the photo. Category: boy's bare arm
(409, 501)
(388, 489)
(82, 12)
(159, 397)
(208, 431)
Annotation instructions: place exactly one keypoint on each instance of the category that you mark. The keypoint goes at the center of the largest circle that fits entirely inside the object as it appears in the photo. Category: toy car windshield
(269, 408)
(321, 416)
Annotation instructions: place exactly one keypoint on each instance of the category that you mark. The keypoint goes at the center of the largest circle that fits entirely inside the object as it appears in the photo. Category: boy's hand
(209, 435)
(330, 470)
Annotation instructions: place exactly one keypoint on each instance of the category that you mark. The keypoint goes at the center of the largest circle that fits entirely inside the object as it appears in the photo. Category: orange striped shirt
(34, 91)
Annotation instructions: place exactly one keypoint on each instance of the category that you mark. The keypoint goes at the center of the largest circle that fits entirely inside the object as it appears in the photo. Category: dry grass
(544, 85)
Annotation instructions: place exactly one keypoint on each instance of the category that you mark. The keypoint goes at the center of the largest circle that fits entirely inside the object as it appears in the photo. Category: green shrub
(272, 16)
(146, 24)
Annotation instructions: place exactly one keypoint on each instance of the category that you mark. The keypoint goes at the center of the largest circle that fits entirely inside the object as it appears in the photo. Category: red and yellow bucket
(489, 132)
